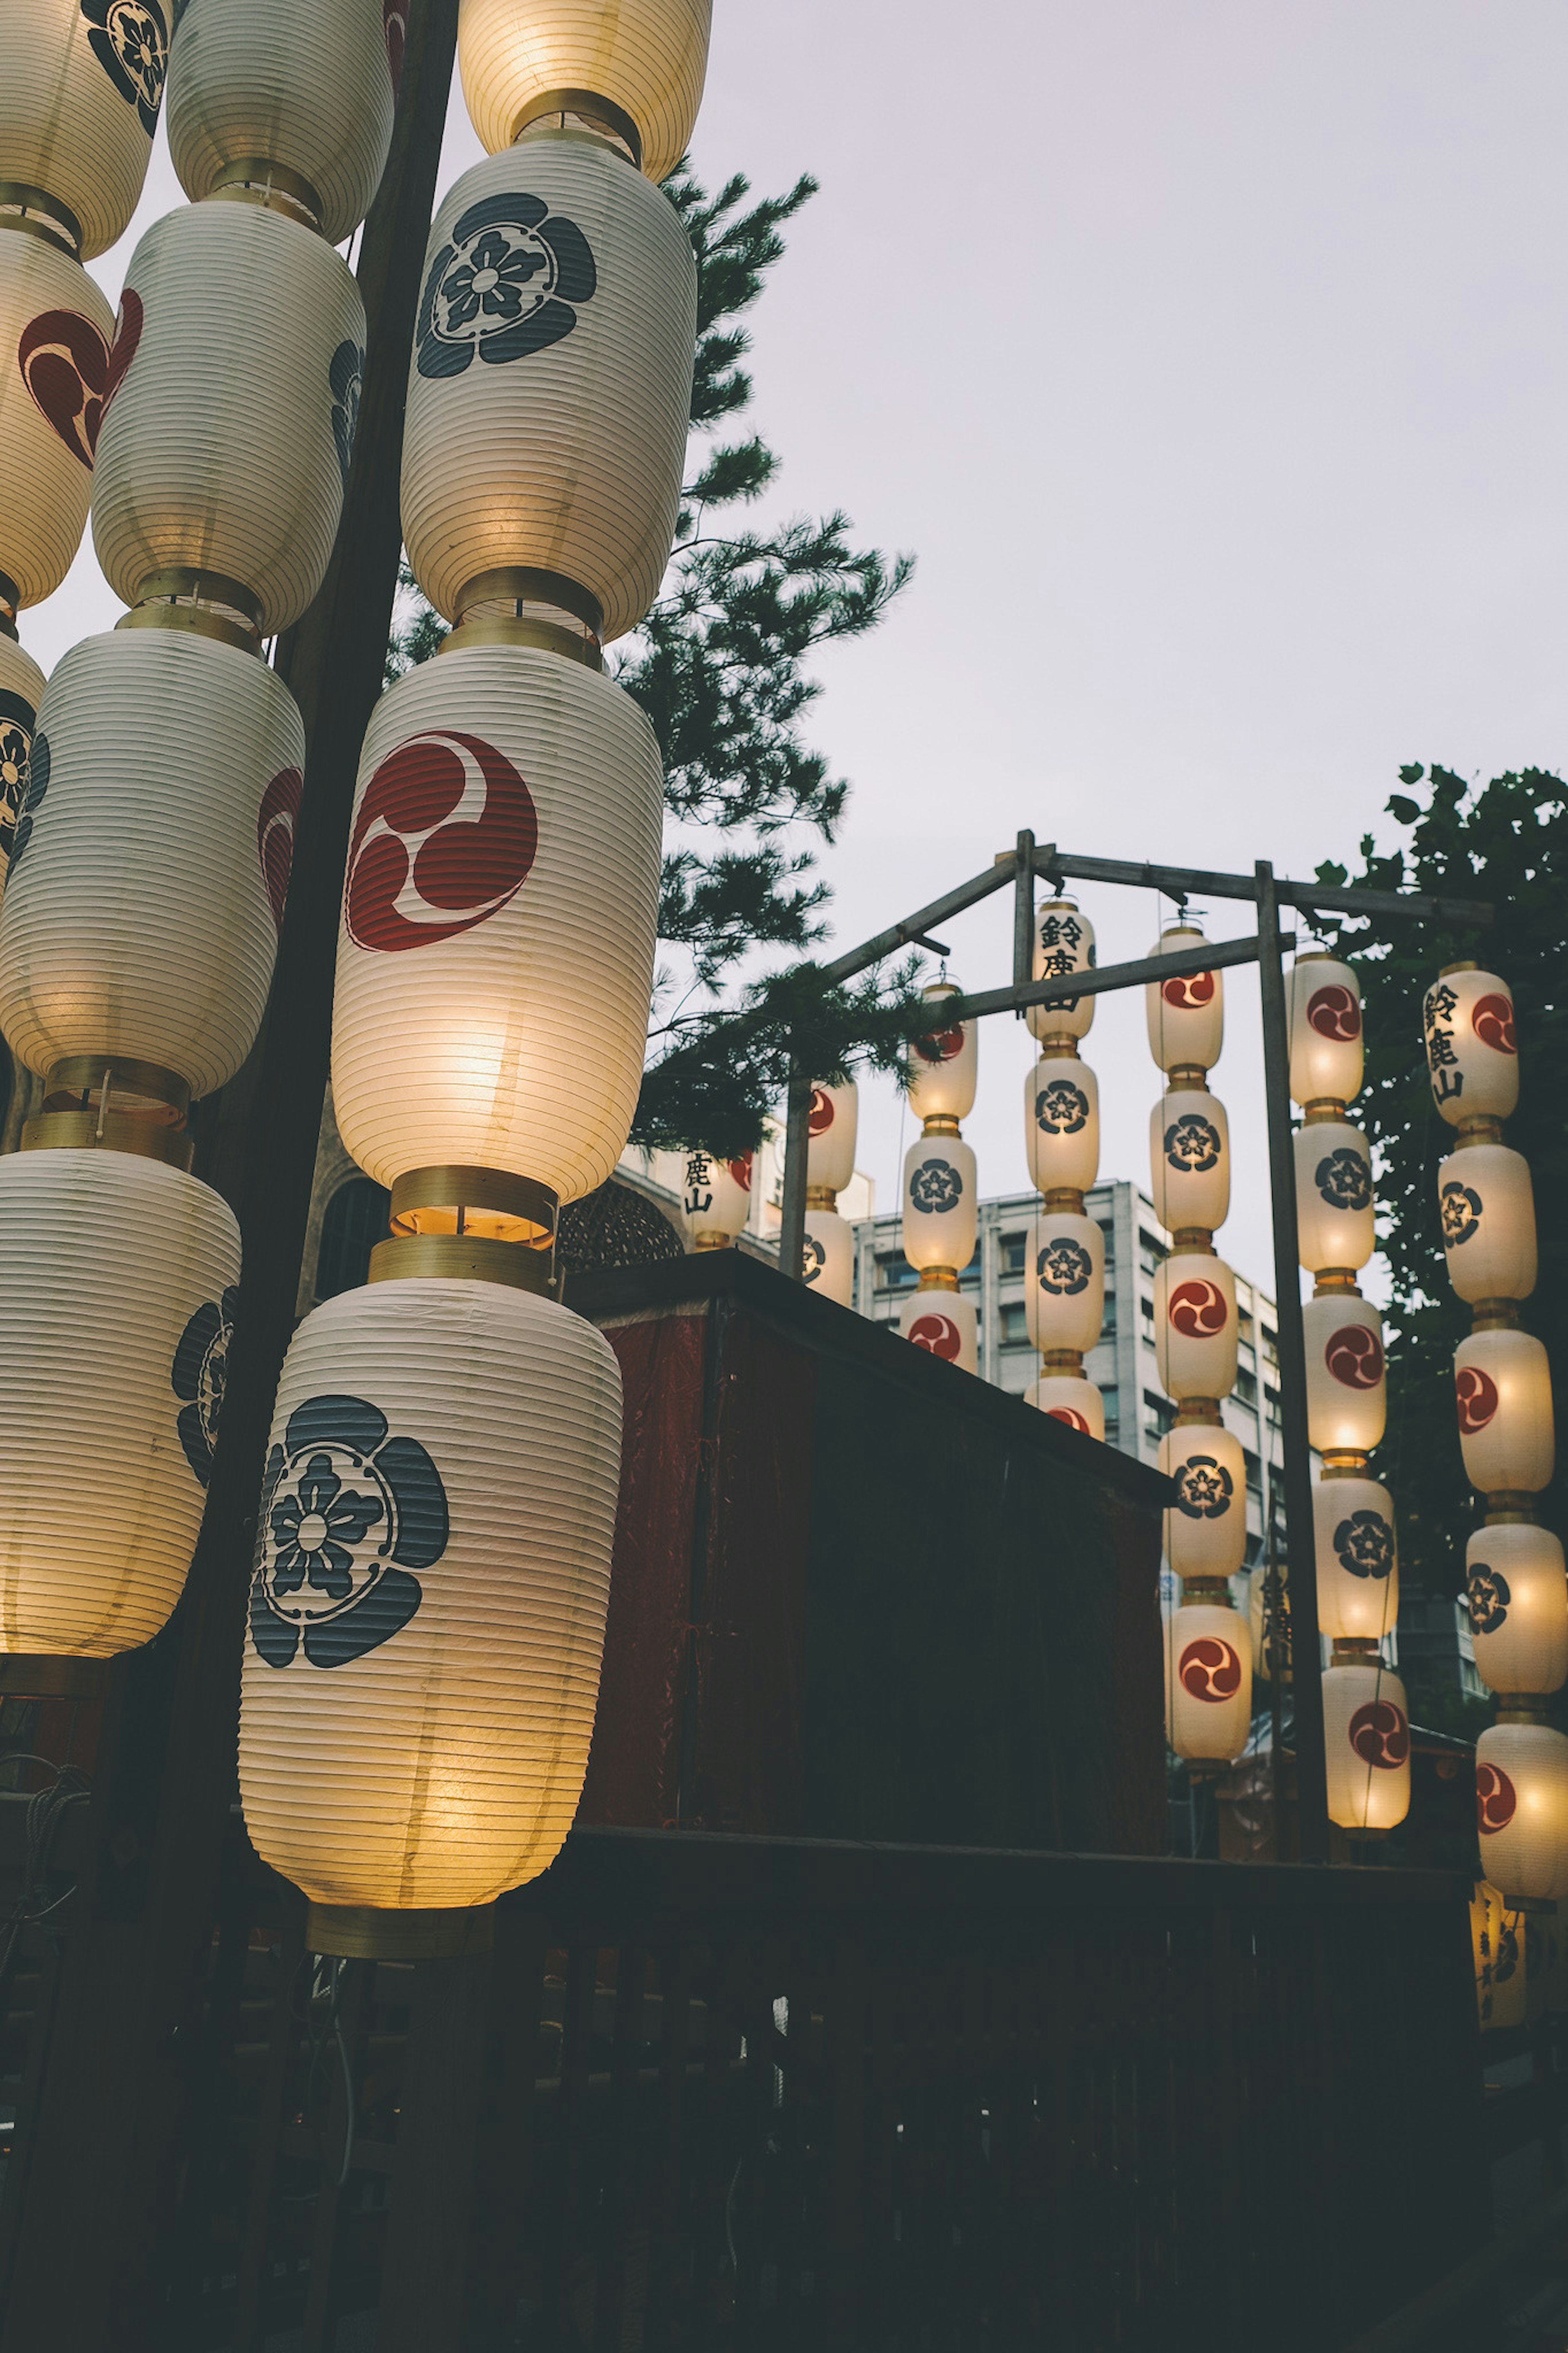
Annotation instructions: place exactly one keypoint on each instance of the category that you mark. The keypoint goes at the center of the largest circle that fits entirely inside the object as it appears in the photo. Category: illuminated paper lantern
(1517, 1595)
(716, 1198)
(1326, 1043)
(1334, 1213)
(1064, 943)
(427, 1604)
(225, 450)
(940, 1203)
(116, 1277)
(62, 366)
(1522, 1810)
(21, 692)
(1347, 1386)
(1502, 1387)
(80, 82)
(646, 58)
(1366, 1740)
(1208, 1683)
(1487, 1208)
(556, 336)
(1206, 1533)
(1185, 1013)
(828, 1265)
(944, 1324)
(494, 959)
(1061, 1124)
(1472, 1051)
(831, 1126)
(1194, 1325)
(141, 917)
(1358, 1559)
(943, 1065)
(1064, 1281)
(294, 85)
(1189, 1160)
(1071, 1397)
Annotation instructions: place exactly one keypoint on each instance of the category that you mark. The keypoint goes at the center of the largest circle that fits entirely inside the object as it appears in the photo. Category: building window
(1242, 1324)
(894, 1271)
(1161, 1411)
(1108, 1329)
(1150, 1250)
(1012, 1249)
(1147, 1305)
(1254, 1471)
(1246, 1388)
(1271, 1344)
(1014, 1326)
(355, 1222)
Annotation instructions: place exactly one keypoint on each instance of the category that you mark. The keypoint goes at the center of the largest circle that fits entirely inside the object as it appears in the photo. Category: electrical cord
(44, 1809)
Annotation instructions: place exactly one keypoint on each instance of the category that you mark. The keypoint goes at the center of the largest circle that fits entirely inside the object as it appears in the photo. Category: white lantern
(1071, 1397)
(940, 1203)
(556, 336)
(647, 58)
(945, 1063)
(829, 1256)
(945, 1324)
(225, 451)
(1064, 943)
(716, 1198)
(1472, 1052)
(293, 84)
(1334, 1217)
(1194, 1325)
(1061, 1124)
(496, 956)
(21, 692)
(1518, 1599)
(1366, 1740)
(1208, 1683)
(1064, 1283)
(80, 86)
(142, 914)
(428, 1608)
(1522, 1810)
(117, 1279)
(1186, 1014)
(1326, 1043)
(1358, 1562)
(1487, 1209)
(1205, 1534)
(1347, 1388)
(1502, 1388)
(63, 364)
(1189, 1160)
(831, 1126)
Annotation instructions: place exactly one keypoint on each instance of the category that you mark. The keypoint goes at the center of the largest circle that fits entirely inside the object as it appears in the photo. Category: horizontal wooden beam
(1201, 882)
(1065, 988)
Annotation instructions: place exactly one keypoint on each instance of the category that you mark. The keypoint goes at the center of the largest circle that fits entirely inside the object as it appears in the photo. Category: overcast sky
(1210, 357)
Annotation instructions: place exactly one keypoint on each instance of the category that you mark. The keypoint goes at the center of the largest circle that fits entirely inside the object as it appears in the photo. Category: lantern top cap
(1467, 964)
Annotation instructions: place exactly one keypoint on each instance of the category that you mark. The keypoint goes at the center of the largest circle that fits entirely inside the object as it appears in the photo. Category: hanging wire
(46, 1808)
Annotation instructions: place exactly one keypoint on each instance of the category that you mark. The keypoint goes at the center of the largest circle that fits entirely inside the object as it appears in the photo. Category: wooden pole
(798, 1143)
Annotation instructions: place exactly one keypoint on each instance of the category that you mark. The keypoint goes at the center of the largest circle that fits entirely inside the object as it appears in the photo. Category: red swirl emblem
(1333, 1012)
(73, 374)
(1491, 1018)
(740, 1170)
(1071, 1414)
(1353, 1355)
(1199, 1311)
(445, 837)
(1475, 1399)
(1210, 1669)
(938, 1332)
(1495, 1799)
(941, 1046)
(1380, 1734)
(820, 1118)
(1189, 992)
(275, 838)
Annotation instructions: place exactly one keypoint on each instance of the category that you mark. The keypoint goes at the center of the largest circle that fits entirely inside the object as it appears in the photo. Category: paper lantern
(1334, 1216)
(555, 335)
(1522, 1810)
(1366, 1739)
(494, 959)
(940, 1203)
(1347, 1388)
(1186, 1014)
(56, 332)
(141, 916)
(1205, 1534)
(427, 1606)
(1358, 1560)
(716, 1198)
(1194, 1325)
(1472, 1051)
(829, 1258)
(1071, 1397)
(1208, 1683)
(116, 1277)
(1502, 1388)
(646, 57)
(1064, 943)
(1517, 1595)
(943, 1064)
(80, 86)
(831, 1126)
(225, 449)
(1064, 1281)
(1061, 1124)
(295, 84)
(21, 692)
(1326, 1043)
(1499, 1947)
(945, 1324)
(1487, 1209)
(1189, 1160)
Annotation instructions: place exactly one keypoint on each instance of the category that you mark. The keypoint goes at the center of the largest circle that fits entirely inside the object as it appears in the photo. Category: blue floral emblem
(1193, 1145)
(505, 285)
(38, 786)
(935, 1186)
(346, 377)
(1363, 1544)
(129, 38)
(1344, 1179)
(346, 1512)
(1064, 1268)
(1487, 1596)
(1061, 1108)
(199, 1372)
(17, 722)
(1461, 1213)
(1203, 1488)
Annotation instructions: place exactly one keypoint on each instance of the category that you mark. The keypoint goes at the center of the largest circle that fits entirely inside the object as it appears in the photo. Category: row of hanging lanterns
(1064, 1273)
(941, 1188)
(433, 1560)
(716, 1198)
(832, 1128)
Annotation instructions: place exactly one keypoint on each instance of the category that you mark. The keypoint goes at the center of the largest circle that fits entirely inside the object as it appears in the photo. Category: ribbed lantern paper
(944, 1324)
(154, 940)
(1366, 1741)
(1357, 1558)
(428, 1608)
(1502, 1387)
(1486, 1204)
(1206, 1532)
(1518, 1600)
(1208, 1683)
(21, 692)
(1064, 1283)
(1194, 1325)
(647, 58)
(940, 1185)
(116, 1277)
(940, 1203)
(943, 1065)
(80, 82)
(556, 336)
(1061, 1124)
(1522, 1810)
(716, 1198)
(61, 364)
(1472, 1051)
(1064, 943)
(828, 1260)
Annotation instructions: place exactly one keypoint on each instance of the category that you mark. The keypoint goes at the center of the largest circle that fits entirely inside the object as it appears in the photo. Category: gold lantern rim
(38, 213)
(589, 107)
(367, 1932)
(494, 1204)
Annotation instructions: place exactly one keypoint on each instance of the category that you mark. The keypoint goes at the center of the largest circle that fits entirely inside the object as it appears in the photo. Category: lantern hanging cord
(45, 1808)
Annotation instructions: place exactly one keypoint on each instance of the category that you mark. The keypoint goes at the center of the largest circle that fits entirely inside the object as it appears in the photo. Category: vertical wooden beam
(1024, 913)
(797, 1140)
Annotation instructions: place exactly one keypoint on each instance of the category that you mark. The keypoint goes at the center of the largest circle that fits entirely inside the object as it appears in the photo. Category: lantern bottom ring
(589, 107)
(112, 1131)
(52, 1675)
(369, 1932)
(39, 215)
